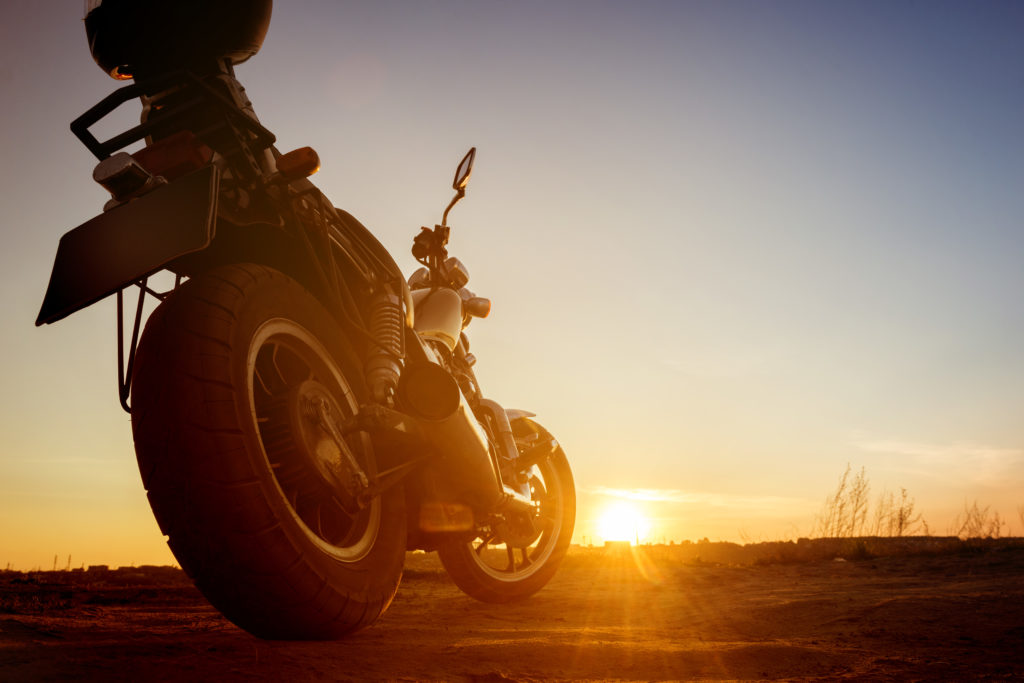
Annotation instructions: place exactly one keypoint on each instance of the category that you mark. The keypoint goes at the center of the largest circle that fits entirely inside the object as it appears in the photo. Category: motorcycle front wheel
(503, 563)
(239, 474)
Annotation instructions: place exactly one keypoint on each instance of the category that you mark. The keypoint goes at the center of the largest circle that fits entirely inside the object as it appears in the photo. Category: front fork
(505, 445)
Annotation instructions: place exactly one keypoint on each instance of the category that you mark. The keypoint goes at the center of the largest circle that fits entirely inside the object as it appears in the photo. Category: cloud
(964, 460)
(679, 496)
(933, 452)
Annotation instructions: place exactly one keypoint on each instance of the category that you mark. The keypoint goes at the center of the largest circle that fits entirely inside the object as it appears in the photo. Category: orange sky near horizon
(732, 247)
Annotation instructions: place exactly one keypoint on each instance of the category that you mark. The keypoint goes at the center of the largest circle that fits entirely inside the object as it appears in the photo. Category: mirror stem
(458, 195)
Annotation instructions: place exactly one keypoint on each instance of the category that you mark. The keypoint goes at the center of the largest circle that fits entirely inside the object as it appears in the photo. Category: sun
(622, 522)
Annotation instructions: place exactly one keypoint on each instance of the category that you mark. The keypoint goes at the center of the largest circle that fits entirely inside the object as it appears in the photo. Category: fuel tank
(132, 37)
(438, 315)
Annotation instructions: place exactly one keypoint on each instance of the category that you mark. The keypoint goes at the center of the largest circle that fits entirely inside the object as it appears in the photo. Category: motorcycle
(302, 414)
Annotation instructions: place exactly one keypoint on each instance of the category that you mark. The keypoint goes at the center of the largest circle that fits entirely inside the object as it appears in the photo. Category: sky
(732, 246)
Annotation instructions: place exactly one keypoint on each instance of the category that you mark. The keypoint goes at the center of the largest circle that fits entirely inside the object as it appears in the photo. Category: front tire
(238, 481)
(502, 565)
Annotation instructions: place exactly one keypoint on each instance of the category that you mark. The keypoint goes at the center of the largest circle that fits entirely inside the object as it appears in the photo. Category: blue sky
(732, 246)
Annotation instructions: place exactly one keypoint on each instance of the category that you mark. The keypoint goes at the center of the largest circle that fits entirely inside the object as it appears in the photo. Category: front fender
(516, 414)
(533, 441)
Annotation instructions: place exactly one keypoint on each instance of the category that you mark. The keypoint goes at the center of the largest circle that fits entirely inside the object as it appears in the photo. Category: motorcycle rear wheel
(495, 566)
(246, 507)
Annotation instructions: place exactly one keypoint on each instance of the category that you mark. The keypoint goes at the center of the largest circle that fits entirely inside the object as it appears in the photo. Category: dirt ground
(652, 614)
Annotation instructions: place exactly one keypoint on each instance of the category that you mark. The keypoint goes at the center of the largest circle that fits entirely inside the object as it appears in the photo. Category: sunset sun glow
(623, 522)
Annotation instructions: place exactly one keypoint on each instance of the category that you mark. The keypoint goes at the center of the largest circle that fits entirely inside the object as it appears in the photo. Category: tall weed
(977, 522)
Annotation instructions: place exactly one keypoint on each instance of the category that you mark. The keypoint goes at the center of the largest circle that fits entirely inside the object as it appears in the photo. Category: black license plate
(131, 242)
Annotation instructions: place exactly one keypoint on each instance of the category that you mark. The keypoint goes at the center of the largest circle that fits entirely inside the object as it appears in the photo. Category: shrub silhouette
(847, 510)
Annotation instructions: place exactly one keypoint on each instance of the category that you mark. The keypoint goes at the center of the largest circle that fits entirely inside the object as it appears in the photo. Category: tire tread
(204, 496)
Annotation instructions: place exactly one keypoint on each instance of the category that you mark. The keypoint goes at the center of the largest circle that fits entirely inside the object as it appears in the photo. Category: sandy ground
(652, 615)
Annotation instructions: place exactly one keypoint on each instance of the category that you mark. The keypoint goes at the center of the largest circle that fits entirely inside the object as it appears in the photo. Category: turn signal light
(478, 307)
(298, 163)
(122, 73)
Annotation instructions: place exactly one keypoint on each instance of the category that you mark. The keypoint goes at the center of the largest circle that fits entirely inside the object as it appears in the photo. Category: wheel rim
(507, 561)
(284, 358)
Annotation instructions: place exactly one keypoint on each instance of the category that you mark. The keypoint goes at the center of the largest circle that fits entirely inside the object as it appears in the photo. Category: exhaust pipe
(432, 396)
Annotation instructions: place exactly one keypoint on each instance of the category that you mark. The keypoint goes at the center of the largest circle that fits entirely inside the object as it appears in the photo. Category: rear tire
(236, 481)
(499, 567)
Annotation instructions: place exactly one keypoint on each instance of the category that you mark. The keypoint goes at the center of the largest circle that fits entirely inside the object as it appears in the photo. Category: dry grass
(978, 522)
(847, 513)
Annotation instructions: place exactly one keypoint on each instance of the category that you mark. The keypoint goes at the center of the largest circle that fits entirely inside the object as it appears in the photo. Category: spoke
(342, 521)
(483, 543)
(288, 476)
(286, 358)
(341, 508)
(276, 366)
(292, 365)
(511, 559)
(259, 380)
(526, 557)
(549, 517)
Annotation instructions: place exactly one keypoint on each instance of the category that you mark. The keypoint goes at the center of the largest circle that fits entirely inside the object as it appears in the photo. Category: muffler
(432, 396)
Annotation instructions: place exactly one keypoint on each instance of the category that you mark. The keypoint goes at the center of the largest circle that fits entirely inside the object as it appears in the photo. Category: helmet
(132, 37)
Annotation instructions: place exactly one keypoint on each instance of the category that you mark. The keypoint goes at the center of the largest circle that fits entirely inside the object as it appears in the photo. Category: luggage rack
(245, 135)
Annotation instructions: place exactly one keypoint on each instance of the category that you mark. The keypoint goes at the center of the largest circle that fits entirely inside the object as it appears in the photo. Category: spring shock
(383, 366)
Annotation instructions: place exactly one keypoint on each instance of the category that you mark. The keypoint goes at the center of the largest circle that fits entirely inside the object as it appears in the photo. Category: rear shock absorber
(384, 363)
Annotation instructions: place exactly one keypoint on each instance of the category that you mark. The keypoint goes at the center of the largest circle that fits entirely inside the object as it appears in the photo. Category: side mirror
(464, 170)
(461, 180)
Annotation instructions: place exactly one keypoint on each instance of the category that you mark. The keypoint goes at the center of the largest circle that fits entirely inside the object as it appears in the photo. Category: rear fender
(271, 245)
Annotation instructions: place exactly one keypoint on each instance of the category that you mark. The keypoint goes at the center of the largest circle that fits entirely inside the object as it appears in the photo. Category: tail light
(123, 176)
(175, 155)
